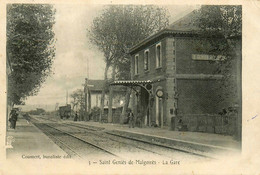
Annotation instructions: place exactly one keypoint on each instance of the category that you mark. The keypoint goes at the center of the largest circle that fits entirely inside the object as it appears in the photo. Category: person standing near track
(76, 117)
(13, 118)
(131, 119)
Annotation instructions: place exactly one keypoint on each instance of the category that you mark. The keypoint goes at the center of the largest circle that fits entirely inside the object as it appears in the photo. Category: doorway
(145, 107)
(159, 111)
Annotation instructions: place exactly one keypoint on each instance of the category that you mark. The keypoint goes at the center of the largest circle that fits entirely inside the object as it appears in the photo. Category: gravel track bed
(143, 148)
(100, 138)
(124, 147)
(83, 149)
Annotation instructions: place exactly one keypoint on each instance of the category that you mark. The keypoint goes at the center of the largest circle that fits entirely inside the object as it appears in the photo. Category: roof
(186, 23)
(97, 85)
(184, 26)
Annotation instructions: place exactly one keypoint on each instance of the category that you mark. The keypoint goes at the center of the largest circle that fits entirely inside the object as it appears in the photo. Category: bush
(94, 114)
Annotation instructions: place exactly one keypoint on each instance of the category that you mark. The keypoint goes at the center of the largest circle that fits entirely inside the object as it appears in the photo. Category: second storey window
(158, 55)
(146, 60)
(136, 64)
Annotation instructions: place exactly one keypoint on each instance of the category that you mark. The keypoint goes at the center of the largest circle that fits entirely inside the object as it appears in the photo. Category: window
(136, 64)
(146, 60)
(205, 57)
(158, 55)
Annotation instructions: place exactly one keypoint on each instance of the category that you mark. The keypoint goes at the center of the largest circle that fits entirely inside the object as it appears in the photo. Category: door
(144, 106)
(159, 111)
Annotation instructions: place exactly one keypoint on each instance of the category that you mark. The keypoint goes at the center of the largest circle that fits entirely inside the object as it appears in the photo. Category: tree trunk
(89, 102)
(82, 107)
(111, 94)
(86, 105)
(73, 106)
(126, 104)
(239, 92)
(103, 93)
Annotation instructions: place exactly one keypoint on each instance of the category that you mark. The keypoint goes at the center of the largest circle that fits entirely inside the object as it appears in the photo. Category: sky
(74, 51)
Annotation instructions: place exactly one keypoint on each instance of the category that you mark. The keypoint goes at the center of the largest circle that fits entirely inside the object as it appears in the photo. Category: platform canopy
(131, 82)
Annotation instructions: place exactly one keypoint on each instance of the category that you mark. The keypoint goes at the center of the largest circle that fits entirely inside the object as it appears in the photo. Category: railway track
(141, 144)
(105, 141)
(118, 145)
(96, 133)
(67, 148)
(81, 148)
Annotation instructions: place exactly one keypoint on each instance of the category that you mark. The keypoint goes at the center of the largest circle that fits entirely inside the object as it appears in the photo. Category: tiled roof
(185, 25)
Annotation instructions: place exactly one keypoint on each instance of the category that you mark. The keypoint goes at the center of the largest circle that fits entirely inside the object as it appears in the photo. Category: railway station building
(174, 79)
(93, 92)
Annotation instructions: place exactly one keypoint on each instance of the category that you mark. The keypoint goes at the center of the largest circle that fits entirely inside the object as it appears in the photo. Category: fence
(116, 115)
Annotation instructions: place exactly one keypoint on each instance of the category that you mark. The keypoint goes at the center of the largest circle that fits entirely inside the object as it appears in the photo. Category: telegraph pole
(87, 68)
(86, 91)
(66, 96)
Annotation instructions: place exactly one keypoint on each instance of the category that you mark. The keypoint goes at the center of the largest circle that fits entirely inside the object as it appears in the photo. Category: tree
(116, 30)
(78, 102)
(30, 48)
(77, 98)
(225, 23)
(225, 20)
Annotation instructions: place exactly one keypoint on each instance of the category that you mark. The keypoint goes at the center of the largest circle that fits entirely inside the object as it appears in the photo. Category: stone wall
(218, 124)
(199, 97)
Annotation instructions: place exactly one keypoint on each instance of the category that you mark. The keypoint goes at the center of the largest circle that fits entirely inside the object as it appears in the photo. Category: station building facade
(93, 92)
(174, 78)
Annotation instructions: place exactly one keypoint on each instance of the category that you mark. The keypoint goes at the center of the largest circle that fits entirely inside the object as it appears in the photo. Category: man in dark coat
(131, 119)
(13, 118)
(76, 117)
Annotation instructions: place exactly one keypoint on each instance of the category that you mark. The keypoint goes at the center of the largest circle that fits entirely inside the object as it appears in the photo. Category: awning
(131, 82)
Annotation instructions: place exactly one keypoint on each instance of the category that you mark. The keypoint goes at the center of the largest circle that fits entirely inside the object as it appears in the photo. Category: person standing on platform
(76, 117)
(13, 118)
(131, 119)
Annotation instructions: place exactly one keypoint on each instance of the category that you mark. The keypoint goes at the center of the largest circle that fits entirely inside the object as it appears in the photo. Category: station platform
(27, 142)
(208, 144)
